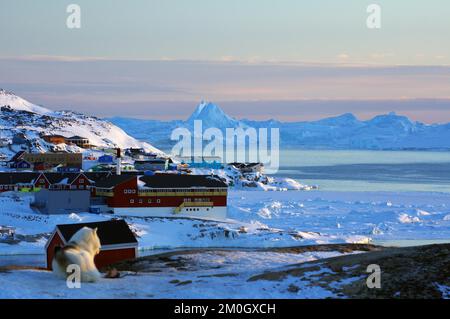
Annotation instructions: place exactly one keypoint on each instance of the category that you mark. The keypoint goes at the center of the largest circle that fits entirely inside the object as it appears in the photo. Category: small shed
(118, 242)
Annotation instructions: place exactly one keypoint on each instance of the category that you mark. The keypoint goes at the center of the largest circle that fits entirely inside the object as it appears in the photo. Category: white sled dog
(81, 250)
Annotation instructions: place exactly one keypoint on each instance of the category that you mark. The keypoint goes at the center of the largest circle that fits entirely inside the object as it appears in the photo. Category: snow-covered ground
(217, 274)
(260, 219)
(256, 219)
(376, 215)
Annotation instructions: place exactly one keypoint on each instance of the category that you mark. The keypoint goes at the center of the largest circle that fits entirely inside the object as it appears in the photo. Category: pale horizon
(157, 59)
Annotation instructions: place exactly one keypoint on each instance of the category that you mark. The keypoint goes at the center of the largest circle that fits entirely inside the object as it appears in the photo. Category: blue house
(21, 164)
(106, 159)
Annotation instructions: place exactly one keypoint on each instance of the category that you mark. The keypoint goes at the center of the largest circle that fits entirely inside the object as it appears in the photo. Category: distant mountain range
(383, 132)
(19, 117)
(24, 121)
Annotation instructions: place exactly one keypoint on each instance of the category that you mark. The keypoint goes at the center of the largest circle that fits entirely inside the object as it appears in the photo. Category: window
(149, 201)
(81, 186)
(125, 191)
(140, 201)
(131, 201)
(158, 201)
(81, 180)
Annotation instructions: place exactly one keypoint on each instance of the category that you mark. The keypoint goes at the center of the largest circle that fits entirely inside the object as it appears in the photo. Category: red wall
(41, 182)
(108, 257)
(104, 258)
(77, 183)
(56, 241)
(122, 199)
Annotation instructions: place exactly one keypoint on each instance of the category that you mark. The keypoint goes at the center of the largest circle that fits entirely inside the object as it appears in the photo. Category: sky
(290, 60)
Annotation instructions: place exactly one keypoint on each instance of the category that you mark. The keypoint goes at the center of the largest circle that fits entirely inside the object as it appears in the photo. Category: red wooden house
(118, 242)
(202, 196)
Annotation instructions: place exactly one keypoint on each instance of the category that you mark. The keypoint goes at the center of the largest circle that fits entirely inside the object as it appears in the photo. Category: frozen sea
(342, 170)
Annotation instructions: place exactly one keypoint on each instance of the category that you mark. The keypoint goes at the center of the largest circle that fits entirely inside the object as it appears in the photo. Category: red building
(203, 196)
(54, 139)
(118, 242)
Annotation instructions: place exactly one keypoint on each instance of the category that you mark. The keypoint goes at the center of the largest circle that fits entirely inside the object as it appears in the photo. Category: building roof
(110, 181)
(17, 156)
(61, 178)
(76, 137)
(111, 232)
(182, 181)
(18, 178)
(151, 161)
(245, 165)
(95, 176)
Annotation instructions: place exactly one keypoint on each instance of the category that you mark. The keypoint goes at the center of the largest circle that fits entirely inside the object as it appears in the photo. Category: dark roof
(242, 165)
(76, 137)
(110, 232)
(56, 178)
(16, 156)
(95, 176)
(182, 181)
(151, 161)
(18, 178)
(110, 181)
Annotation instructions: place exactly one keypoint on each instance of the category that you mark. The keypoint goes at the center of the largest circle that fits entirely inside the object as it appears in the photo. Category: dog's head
(88, 239)
(95, 241)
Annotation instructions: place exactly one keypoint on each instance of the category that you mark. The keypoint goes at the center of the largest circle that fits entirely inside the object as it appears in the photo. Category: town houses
(80, 141)
(45, 161)
(128, 194)
(155, 186)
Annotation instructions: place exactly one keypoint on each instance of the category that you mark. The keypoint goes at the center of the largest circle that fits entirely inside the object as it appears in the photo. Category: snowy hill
(17, 103)
(20, 119)
(386, 131)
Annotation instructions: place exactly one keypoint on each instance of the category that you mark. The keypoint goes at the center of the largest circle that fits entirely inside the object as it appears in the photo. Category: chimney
(118, 161)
